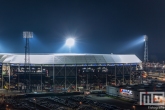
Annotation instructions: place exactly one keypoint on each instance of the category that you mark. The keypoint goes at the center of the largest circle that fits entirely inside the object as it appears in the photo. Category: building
(132, 92)
(69, 71)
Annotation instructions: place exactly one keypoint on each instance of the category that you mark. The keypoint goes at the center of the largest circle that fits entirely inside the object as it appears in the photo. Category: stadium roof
(69, 58)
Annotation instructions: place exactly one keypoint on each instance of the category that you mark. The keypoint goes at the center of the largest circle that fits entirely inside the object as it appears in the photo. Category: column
(123, 73)
(76, 77)
(65, 77)
(9, 76)
(115, 74)
(53, 77)
(41, 78)
(87, 82)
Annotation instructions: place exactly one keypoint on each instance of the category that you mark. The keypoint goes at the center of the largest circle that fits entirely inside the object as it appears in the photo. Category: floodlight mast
(146, 49)
(27, 35)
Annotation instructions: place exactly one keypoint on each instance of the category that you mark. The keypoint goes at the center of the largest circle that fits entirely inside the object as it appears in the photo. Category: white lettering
(156, 107)
(152, 107)
(126, 91)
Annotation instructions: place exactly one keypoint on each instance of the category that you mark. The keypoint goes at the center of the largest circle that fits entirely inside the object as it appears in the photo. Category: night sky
(99, 26)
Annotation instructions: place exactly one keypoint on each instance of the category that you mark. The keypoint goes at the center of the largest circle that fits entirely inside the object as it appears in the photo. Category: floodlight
(145, 38)
(27, 34)
(70, 42)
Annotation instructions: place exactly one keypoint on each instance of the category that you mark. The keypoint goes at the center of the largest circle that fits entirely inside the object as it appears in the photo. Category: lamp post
(35, 102)
(70, 42)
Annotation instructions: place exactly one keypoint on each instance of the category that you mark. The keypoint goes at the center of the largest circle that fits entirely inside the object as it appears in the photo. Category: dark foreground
(67, 102)
(57, 103)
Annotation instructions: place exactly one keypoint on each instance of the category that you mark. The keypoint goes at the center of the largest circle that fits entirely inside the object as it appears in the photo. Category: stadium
(68, 72)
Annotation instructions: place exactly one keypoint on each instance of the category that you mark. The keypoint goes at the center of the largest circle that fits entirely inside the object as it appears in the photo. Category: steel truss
(74, 76)
(65, 76)
(27, 35)
(120, 74)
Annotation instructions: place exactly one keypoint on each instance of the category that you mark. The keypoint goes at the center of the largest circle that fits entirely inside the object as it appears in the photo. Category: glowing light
(144, 76)
(27, 34)
(70, 42)
(145, 38)
(137, 42)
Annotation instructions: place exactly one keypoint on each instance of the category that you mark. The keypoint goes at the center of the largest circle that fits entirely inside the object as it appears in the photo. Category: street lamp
(70, 42)
(134, 107)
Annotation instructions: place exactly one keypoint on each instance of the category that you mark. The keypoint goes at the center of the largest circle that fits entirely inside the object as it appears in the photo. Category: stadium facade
(69, 71)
